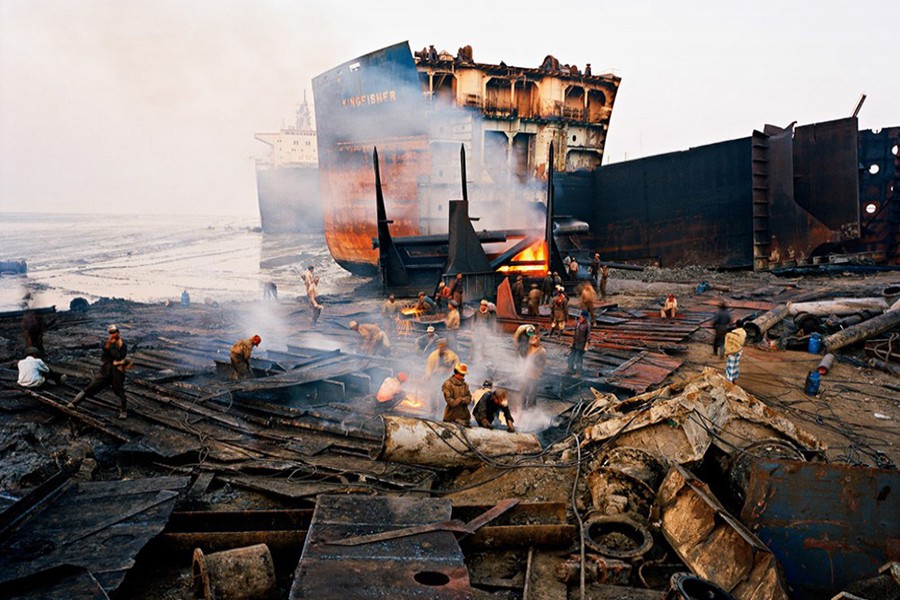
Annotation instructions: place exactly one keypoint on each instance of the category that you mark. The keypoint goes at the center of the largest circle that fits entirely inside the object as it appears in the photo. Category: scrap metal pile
(294, 484)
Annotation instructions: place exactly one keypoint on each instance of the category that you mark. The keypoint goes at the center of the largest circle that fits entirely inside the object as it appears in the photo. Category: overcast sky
(150, 106)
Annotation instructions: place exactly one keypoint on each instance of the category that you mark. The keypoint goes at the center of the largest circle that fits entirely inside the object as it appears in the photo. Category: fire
(532, 260)
(410, 312)
(412, 402)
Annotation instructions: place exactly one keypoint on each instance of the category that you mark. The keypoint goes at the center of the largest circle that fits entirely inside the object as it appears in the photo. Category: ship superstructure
(288, 179)
(418, 109)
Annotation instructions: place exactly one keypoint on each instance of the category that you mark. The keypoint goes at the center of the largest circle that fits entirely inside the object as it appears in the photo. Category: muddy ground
(856, 411)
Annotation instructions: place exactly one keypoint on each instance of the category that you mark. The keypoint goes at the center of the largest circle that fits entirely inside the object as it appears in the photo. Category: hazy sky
(150, 106)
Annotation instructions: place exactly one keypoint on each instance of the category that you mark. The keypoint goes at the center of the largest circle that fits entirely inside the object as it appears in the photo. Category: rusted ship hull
(777, 198)
(780, 198)
(418, 111)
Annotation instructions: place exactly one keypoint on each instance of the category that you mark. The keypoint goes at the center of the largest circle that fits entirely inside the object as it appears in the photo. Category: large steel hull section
(373, 100)
(289, 199)
(828, 524)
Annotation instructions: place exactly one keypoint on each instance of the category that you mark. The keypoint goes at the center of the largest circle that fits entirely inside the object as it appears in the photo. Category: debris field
(650, 474)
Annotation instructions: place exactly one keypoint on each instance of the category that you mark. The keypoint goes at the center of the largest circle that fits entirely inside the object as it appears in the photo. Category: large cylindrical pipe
(866, 329)
(239, 574)
(839, 306)
(760, 325)
(422, 442)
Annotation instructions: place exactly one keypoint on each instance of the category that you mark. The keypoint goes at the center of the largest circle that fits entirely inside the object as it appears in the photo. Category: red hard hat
(256, 339)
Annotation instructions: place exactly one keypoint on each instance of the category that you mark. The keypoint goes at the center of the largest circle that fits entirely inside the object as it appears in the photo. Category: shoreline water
(153, 258)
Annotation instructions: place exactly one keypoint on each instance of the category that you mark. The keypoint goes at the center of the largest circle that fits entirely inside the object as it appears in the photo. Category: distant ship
(287, 180)
(417, 110)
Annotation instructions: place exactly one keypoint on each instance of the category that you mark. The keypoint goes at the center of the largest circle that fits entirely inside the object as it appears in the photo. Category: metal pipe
(242, 573)
(884, 366)
(825, 364)
(422, 442)
(838, 306)
(866, 329)
(760, 325)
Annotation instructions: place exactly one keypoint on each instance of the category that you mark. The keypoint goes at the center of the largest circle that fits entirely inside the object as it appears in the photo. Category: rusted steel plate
(712, 543)
(428, 565)
(828, 524)
(99, 526)
(67, 581)
(642, 371)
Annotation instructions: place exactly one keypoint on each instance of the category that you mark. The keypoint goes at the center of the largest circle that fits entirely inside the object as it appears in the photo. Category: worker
(669, 308)
(185, 298)
(452, 325)
(33, 328)
(594, 270)
(308, 277)
(534, 368)
(440, 361)
(721, 325)
(428, 342)
(456, 289)
(533, 300)
(312, 294)
(557, 278)
(490, 405)
(604, 277)
(442, 296)
(547, 289)
(518, 292)
(389, 313)
(573, 269)
(581, 337)
(374, 340)
(559, 311)
(521, 337)
(391, 391)
(485, 318)
(113, 363)
(240, 357)
(483, 327)
(34, 372)
(270, 291)
(734, 349)
(457, 397)
(589, 300)
(425, 305)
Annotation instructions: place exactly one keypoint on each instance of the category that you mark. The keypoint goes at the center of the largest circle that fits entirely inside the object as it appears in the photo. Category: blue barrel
(812, 383)
(815, 343)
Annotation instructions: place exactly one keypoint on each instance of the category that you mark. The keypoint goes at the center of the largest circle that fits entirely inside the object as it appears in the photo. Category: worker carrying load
(491, 404)
(521, 336)
(734, 349)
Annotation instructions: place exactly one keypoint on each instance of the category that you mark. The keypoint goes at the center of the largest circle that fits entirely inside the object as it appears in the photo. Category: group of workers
(442, 352)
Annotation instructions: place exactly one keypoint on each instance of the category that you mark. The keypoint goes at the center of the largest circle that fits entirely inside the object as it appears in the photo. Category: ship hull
(289, 199)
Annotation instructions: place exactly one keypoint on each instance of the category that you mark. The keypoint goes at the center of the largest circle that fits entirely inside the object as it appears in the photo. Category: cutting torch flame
(532, 260)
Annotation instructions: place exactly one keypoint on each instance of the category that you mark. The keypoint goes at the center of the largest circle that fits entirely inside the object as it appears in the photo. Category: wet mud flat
(652, 463)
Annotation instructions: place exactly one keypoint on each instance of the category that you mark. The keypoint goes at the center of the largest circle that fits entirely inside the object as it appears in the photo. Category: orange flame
(531, 260)
(412, 402)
